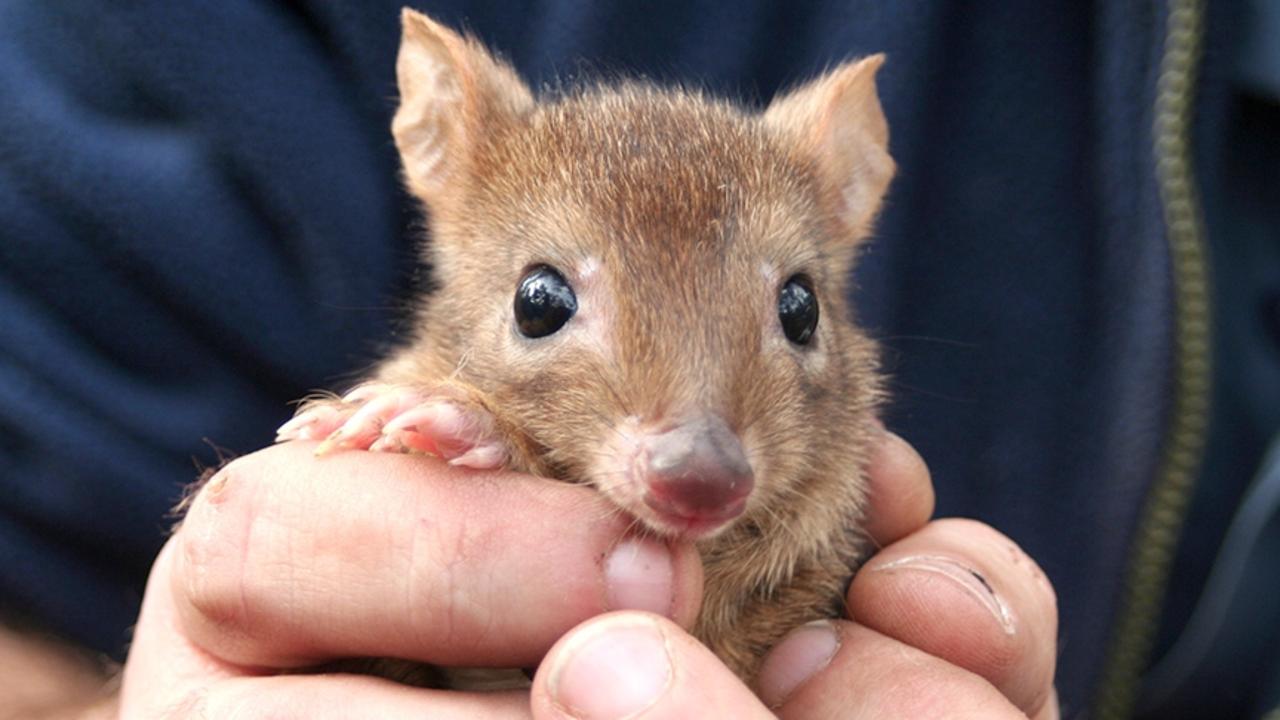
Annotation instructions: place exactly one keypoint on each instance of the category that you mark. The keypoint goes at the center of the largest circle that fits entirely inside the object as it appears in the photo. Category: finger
(637, 665)
(967, 594)
(285, 560)
(167, 677)
(855, 672)
(901, 495)
(347, 697)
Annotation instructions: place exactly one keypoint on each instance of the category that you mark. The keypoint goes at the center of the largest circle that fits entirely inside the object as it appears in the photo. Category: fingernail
(615, 671)
(333, 442)
(800, 655)
(971, 581)
(639, 576)
(433, 415)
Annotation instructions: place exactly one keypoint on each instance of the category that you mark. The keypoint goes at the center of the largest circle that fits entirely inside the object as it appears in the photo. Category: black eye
(798, 309)
(544, 302)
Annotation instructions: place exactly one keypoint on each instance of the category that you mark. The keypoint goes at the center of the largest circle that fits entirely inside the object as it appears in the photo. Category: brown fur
(679, 201)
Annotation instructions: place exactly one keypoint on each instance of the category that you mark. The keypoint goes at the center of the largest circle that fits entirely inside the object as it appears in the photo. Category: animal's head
(651, 283)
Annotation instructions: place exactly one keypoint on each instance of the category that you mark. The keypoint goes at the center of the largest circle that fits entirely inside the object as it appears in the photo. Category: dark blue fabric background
(200, 221)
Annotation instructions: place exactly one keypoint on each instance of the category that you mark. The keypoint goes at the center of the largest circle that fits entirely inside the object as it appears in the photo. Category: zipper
(1162, 518)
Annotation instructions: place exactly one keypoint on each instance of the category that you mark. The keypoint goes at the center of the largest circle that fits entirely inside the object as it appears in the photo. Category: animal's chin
(670, 521)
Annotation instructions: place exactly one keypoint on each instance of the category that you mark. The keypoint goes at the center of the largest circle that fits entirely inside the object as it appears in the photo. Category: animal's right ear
(451, 91)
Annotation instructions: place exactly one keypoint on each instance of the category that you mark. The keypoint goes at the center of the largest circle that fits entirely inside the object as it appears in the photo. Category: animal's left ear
(453, 92)
(838, 120)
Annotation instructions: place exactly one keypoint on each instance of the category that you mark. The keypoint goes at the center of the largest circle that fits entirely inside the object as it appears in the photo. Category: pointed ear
(451, 91)
(838, 120)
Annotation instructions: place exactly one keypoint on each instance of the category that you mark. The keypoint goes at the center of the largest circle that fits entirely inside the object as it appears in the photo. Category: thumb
(637, 665)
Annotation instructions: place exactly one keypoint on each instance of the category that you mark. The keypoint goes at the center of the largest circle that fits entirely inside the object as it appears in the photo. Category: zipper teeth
(1161, 522)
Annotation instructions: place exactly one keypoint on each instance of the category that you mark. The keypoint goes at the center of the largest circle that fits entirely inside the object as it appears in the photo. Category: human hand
(952, 620)
(284, 562)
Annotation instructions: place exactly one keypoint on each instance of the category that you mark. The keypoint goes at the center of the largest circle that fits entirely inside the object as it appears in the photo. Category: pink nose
(698, 471)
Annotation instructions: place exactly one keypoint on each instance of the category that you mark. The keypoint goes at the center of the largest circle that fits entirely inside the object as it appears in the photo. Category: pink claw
(387, 418)
(389, 444)
(440, 416)
(296, 426)
(315, 422)
(488, 456)
(450, 431)
(364, 427)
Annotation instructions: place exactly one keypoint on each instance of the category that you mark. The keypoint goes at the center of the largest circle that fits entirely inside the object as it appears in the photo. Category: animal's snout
(697, 473)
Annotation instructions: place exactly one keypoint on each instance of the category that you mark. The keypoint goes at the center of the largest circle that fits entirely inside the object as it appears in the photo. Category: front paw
(445, 420)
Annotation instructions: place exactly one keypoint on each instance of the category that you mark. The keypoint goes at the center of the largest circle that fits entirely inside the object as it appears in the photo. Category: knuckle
(210, 574)
(448, 566)
(234, 474)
